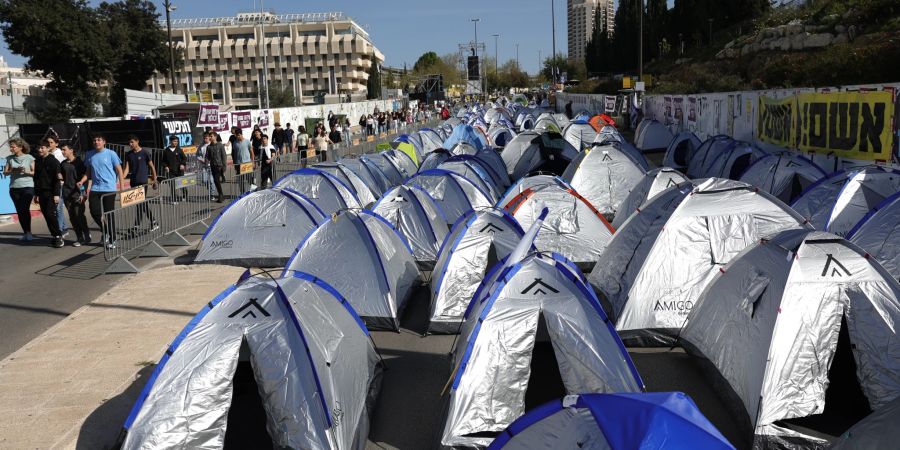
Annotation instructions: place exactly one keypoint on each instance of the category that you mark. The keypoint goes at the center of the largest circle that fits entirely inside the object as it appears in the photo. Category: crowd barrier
(149, 217)
(192, 165)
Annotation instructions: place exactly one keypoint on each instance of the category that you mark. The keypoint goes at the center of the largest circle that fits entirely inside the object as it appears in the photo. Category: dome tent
(370, 173)
(528, 183)
(363, 191)
(477, 241)
(881, 429)
(306, 353)
(409, 146)
(674, 246)
(604, 176)
(407, 165)
(418, 219)
(574, 228)
(431, 140)
(364, 257)
(652, 183)
(681, 150)
(455, 194)
(385, 161)
(707, 153)
(731, 162)
(836, 203)
(258, 229)
(434, 159)
(531, 151)
(501, 135)
(465, 133)
(534, 305)
(326, 191)
(653, 136)
(580, 134)
(878, 233)
(801, 324)
(495, 166)
(474, 170)
(614, 421)
(785, 175)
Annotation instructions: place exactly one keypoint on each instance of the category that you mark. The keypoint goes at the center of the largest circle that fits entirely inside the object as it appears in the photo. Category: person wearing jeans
(57, 153)
(103, 176)
(20, 169)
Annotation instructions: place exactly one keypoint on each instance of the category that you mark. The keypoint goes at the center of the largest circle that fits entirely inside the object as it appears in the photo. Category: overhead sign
(855, 125)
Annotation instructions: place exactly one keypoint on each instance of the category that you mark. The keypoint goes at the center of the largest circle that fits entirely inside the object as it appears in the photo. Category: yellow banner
(190, 150)
(855, 125)
(246, 168)
(132, 196)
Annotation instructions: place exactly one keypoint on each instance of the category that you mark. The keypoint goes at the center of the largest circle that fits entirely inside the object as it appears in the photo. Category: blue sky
(404, 29)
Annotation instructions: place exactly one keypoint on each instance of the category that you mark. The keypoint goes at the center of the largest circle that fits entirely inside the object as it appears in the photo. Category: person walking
(47, 190)
(57, 153)
(218, 160)
(72, 169)
(242, 153)
(256, 141)
(173, 165)
(335, 138)
(267, 154)
(139, 169)
(321, 142)
(104, 177)
(277, 139)
(303, 142)
(569, 112)
(347, 137)
(288, 139)
(19, 168)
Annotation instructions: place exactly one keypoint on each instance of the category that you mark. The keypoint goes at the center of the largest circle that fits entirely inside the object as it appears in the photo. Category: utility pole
(496, 58)
(553, 58)
(517, 56)
(265, 51)
(710, 30)
(480, 77)
(169, 8)
(641, 41)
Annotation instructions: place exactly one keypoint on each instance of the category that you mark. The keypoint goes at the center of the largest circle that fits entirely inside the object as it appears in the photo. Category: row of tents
(507, 235)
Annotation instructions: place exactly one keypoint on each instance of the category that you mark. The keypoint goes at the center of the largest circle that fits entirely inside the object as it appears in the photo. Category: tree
(373, 84)
(137, 55)
(428, 59)
(280, 95)
(64, 41)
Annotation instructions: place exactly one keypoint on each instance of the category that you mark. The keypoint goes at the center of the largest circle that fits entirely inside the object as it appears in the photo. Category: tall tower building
(582, 15)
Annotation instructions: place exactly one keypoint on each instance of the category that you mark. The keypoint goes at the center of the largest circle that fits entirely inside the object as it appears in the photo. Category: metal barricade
(237, 183)
(148, 224)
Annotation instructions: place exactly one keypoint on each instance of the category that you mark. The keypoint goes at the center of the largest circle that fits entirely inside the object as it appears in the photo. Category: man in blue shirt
(104, 176)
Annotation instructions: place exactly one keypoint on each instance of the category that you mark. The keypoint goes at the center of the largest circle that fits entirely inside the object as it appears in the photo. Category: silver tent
(324, 189)
(463, 148)
(836, 203)
(370, 173)
(626, 148)
(418, 218)
(407, 166)
(604, 176)
(681, 150)
(575, 229)
(363, 191)
(364, 257)
(609, 134)
(879, 430)
(531, 151)
(527, 183)
(731, 162)
(434, 159)
(501, 135)
(771, 323)
(653, 136)
(673, 248)
(259, 229)
(477, 241)
(652, 183)
(475, 171)
(495, 166)
(878, 233)
(387, 162)
(307, 355)
(431, 140)
(580, 134)
(784, 174)
(707, 153)
(528, 302)
(455, 194)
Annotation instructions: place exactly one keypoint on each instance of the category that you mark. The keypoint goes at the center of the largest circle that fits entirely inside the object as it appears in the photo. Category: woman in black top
(71, 170)
(47, 191)
(256, 140)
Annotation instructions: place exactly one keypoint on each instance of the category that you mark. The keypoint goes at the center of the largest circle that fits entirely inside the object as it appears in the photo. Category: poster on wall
(209, 114)
(242, 119)
(177, 128)
(692, 114)
(678, 117)
(667, 106)
(223, 123)
(855, 125)
(610, 105)
(263, 118)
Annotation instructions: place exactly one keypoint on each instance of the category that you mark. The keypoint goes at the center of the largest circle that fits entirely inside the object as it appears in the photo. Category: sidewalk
(70, 387)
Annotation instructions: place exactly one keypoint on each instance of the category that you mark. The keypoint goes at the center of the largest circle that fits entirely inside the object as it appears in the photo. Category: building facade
(319, 54)
(581, 18)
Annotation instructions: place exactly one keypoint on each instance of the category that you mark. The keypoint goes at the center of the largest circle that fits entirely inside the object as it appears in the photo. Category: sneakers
(154, 226)
(27, 237)
(111, 245)
(58, 242)
(65, 234)
(87, 239)
(76, 243)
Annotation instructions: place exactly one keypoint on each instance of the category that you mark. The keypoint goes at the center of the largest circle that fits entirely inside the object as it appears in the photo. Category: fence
(191, 164)
(147, 224)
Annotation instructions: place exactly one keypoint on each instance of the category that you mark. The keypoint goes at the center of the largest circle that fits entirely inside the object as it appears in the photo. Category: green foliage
(280, 95)
(428, 59)
(373, 84)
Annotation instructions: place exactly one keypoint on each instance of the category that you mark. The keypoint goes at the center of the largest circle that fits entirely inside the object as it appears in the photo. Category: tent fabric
(878, 233)
(434, 159)
(406, 146)
(317, 371)
(394, 172)
(531, 151)
(431, 140)
(465, 133)
(651, 184)
(604, 176)
(325, 190)
(879, 430)
(528, 183)
(680, 150)
(363, 191)
(372, 175)
(601, 120)
(731, 162)
(501, 135)
(493, 162)
(474, 170)
(653, 136)
(613, 421)
(838, 202)
(407, 165)
(580, 134)
(492, 357)
(418, 219)
(574, 228)
(658, 263)
(476, 242)
(707, 153)
(547, 125)
(455, 194)
(769, 323)
(366, 259)
(259, 229)
(785, 175)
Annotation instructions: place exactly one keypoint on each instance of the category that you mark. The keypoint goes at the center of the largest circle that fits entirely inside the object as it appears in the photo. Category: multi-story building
(582, 17)
(313, 54)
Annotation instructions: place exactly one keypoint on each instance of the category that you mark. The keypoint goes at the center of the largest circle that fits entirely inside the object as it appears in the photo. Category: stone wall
(795, 36)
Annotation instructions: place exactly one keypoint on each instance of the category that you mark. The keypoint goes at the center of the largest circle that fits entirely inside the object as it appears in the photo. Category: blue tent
(655, 420)
(465, 133)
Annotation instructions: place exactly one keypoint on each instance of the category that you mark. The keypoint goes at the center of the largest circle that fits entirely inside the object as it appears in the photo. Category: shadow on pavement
(102, 428)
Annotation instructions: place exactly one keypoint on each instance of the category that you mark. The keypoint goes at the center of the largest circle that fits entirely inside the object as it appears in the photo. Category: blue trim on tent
(470, 344)
(818, 183)
(574, 268)
(145, 392)
(881, 205)
(366, 165)
(222, 213)
(492, 177)
(453, 176)
(391, 226)
(337, 296)
(387, 283)
(522, 423)
(468, 217)
(299, 246)
(394, 151)
(329, 177)
(417, 203)
(383, 156)
(476, 167)
(433, 202)
(306, 211)
(852, 175)
(729, 151)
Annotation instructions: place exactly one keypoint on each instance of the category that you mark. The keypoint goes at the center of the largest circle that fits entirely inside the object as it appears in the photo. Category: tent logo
(792, 163)
(222, 244)
(490, 228)
(538, 285)
(680, 307)
(606, 157)
(250, 303)
(671, 183)
(836, 268)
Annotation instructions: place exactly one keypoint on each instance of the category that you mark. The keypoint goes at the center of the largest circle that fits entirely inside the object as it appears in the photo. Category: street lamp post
(265, 51)
(553, 58)
(169, 8)
(517, 56)
(496, 58)
(480, 78)
(641, 41)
